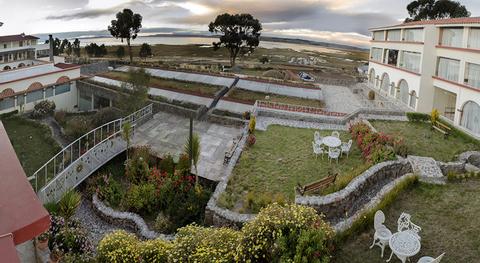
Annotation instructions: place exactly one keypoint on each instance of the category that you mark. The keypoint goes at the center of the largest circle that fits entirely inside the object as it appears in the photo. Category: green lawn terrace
(282, 158)
(447, 215)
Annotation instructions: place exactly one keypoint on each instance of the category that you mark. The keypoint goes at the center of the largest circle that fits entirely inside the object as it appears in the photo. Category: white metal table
(404, 245)
(332, 142)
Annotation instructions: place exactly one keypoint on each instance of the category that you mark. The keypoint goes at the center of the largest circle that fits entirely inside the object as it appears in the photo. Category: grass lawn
(252, 96)
(423, 141)
(32, 142)
(448, 216)
(199, 88)
(281, 158)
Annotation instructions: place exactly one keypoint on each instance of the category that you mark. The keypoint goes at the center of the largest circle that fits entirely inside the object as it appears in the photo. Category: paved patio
(167, 133)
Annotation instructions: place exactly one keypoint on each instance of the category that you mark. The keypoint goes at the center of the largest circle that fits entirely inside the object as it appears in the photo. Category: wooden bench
(231, 151)
(442, 128)
(316, 186)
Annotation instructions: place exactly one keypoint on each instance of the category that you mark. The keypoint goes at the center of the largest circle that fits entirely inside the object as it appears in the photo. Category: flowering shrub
(376, 147)
(141, 198)
(137, 168)
(43, 108)
(68, 237)
(154, 250)
(167, 164)
(261, 237)
(118, 247)
(251, 139)
(199, 244)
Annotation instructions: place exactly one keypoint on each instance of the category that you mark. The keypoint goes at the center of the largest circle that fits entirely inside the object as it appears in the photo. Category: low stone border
(125, 220)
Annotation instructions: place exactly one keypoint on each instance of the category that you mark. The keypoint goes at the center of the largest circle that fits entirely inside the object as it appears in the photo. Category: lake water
(166, 40)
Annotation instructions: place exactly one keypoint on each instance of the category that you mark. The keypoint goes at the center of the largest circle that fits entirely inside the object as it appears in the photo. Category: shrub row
(290, 233)
(418, 117)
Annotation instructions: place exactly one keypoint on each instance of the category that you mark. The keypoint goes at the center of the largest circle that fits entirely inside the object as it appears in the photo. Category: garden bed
(246, 96)
(281, 158)
(421, 140)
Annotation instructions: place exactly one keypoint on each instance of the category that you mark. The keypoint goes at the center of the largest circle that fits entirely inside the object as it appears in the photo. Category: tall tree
(126, 26)
(69, 49)
(137, 85)
(145, 51)
(120, 52)
(76, 47)
(435, 9)
(239, 33)
(64, 45)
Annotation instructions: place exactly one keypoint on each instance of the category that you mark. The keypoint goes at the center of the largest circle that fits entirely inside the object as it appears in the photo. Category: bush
(254, 201)
(69, 204)
(252, 124)
(78, 258)
(371, 95)
(112, 192)
(163, 224)
(137, 169)
(375, 147)
(183, 164)
(105, 115)
(118, 247)
(417, 117)
(275, 224)
(60, 117)
(434, 116)
(167, 164)
(52, 208)
(307, 246)
(199, 244)
(77, 126)
(400, 148)
(141, 198)
(43, 109)
(156, 250)
(251, 140)
(73, 240)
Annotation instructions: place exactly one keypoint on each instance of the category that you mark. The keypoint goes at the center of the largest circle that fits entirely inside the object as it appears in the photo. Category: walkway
(167, 133)
(340, 99)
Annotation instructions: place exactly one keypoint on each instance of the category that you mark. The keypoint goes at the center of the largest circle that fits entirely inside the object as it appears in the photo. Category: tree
(126, 26)
(76, 47)
(69, 49)
(435, 9)
(120, 52)
(145, 51)
(240, 33)
(137, 85)
(64, 45)
(264, 59)
(192, 145)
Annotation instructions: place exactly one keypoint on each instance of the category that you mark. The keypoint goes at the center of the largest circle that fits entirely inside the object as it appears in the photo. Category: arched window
(403, 92)
(35, 86)
(471, 117)
(7, 68)
(62, 79)
(413, 99)
(385, 82)
(371, 77)
(392, 89)
(21, 65)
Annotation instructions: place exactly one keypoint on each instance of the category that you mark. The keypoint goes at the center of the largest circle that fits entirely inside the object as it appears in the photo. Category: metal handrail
(69, 148)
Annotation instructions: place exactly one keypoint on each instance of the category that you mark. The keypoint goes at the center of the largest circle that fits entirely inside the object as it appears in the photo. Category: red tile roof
(21, 212)
(447, 21)
(65, 65)
(19, 37)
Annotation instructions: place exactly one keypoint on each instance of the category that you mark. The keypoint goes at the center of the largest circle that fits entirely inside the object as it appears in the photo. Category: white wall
(46, 80)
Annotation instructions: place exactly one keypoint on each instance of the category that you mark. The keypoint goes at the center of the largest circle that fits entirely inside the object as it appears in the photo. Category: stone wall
(225, 120)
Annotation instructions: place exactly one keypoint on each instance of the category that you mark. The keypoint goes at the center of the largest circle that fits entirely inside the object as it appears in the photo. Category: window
(452, 37)
(391, 57)
(376, 54)
(20, 44)
(471, 117)
(85, 101)
(413, 35)
(448, 69)
(403, 92)
(393, 35)
(385, 82)
(474, 38)
(4, 45)
(410, 61)
(379, 35)
(34, 96)
(371, 77)
(7, 103)
(60, 89)
(49, 92)
(473, 75)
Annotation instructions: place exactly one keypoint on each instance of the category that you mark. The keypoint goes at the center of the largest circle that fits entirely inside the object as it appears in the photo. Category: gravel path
(96, 227)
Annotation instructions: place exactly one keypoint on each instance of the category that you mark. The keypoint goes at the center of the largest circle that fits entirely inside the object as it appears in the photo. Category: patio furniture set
(331, 145)
(405, 243)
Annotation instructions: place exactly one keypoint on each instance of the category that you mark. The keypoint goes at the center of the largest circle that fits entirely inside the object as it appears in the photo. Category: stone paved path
(340, 99)
(428, 169)
(167, 133)
(264, 122)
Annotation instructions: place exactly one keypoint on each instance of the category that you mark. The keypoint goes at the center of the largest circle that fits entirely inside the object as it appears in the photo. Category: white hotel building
(26, 80)
(428, 65)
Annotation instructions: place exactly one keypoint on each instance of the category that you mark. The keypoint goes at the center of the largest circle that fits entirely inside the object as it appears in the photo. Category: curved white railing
(78, 160)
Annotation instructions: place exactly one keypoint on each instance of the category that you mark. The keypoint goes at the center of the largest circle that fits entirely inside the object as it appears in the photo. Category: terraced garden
(252, 96)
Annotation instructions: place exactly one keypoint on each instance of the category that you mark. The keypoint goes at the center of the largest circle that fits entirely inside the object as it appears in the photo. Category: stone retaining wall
(125, 220)
(225, 120)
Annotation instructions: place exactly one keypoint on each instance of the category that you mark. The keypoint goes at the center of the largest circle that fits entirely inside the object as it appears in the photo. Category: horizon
(342, 22)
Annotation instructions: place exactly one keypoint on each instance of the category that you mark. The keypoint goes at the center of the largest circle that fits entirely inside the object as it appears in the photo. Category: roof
(446, 21)
(32, 71)
(21, 212)
(18, 37)
(8, 252)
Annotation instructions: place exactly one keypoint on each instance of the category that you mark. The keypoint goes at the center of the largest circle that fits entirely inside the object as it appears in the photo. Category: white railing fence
(78, 160)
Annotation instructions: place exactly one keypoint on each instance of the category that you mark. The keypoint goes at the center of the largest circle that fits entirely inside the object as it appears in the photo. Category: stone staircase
(427, 169)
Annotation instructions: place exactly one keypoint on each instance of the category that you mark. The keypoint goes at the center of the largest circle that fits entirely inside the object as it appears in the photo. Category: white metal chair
(334, 153)
(336, 134)
(382, 233)
(318, 138)
(405, 224)
(346, 146)
(317, 149)
(430, 259)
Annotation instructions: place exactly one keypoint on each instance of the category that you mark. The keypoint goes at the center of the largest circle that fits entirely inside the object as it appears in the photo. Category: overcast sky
(342, 21)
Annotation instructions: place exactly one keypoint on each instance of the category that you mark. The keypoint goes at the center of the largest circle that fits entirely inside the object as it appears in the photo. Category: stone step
(427, 169)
